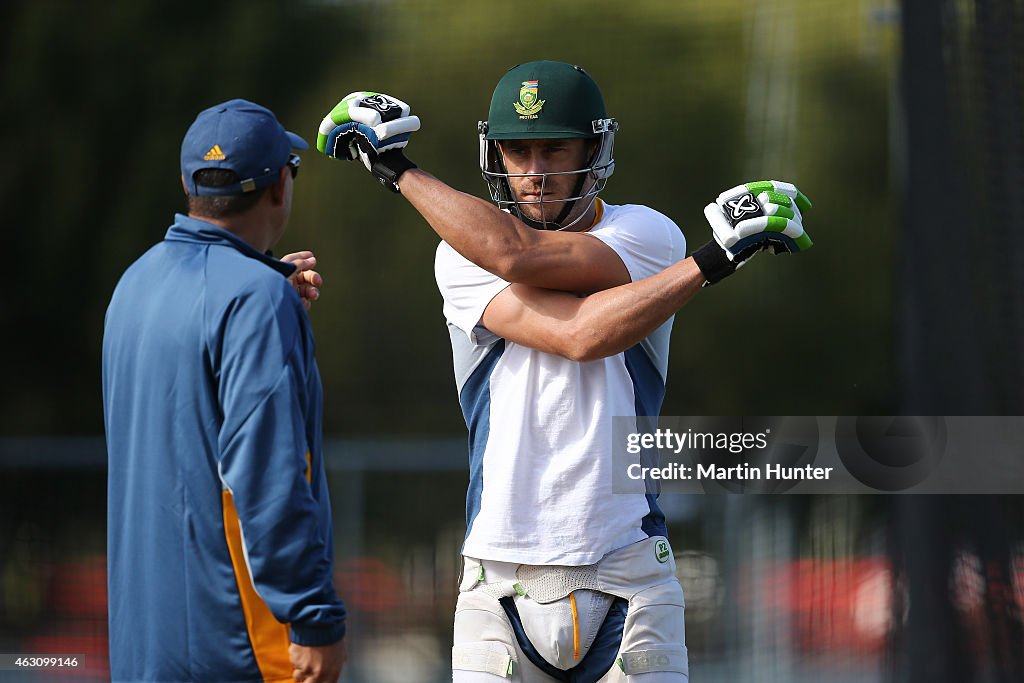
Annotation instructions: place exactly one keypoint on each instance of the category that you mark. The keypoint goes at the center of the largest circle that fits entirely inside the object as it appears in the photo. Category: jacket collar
(188, 229)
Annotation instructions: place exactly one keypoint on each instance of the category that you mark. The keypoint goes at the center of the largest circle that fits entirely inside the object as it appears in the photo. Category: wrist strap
(389, 166)
(713, 262)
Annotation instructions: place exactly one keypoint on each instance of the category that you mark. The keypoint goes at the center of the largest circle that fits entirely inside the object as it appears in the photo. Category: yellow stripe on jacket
(269, 637)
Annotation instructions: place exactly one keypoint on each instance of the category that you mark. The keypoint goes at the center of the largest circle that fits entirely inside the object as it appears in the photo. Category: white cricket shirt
(540, 426)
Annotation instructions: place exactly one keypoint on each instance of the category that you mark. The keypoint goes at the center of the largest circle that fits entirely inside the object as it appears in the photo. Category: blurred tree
(94, 106)
(95, 101)
(692, 95)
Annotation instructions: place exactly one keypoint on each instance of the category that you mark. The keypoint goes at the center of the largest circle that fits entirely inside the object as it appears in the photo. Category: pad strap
(480, 657)
(647, 661)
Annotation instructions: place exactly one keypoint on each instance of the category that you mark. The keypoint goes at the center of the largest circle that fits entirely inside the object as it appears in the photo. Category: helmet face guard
(547, 100)
(590, 181)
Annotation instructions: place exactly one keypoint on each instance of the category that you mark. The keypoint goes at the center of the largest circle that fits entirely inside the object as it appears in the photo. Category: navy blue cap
(239, 136)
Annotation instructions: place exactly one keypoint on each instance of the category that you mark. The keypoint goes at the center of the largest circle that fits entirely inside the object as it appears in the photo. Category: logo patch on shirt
(662, 551)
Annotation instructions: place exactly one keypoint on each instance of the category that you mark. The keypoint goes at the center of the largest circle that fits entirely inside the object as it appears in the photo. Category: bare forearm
(617, 319)
(476, 229)
(507, 247)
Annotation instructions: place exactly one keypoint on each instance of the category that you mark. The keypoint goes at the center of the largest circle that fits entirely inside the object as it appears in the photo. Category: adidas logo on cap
(215, 154)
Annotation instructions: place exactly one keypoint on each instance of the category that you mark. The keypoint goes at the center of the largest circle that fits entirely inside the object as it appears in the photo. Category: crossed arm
(544, 266)
(541, 309)
(502, 244)
(596, 326)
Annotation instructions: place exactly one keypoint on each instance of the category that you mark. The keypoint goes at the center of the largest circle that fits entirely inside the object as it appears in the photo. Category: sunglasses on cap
(294, 160)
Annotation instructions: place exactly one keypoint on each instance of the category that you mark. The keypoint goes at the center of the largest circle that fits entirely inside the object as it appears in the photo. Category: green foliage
(95, 106)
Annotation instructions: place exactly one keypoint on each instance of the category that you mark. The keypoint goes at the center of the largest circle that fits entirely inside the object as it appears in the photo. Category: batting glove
(373, 128)
(747, 219)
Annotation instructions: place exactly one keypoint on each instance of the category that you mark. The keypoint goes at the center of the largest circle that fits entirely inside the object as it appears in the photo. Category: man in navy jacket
(219, 521)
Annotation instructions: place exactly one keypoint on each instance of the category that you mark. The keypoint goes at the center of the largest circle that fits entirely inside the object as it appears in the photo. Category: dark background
(901, 121)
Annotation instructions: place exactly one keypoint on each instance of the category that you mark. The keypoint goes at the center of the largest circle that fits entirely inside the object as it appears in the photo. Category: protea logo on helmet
(529, 104)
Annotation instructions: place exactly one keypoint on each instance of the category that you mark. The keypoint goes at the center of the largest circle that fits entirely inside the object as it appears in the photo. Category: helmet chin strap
(569, 206)
(577, 192)
(536, 225)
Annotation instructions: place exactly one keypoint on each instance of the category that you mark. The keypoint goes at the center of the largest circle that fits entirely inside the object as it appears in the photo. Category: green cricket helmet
(546, 100)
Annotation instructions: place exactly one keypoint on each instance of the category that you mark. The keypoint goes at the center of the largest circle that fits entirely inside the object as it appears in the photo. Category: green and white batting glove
(372, 127)
(747, 219)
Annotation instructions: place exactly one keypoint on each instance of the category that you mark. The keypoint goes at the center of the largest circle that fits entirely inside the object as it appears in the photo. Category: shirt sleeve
(467, 289)
(263, 365)
(648, 242)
